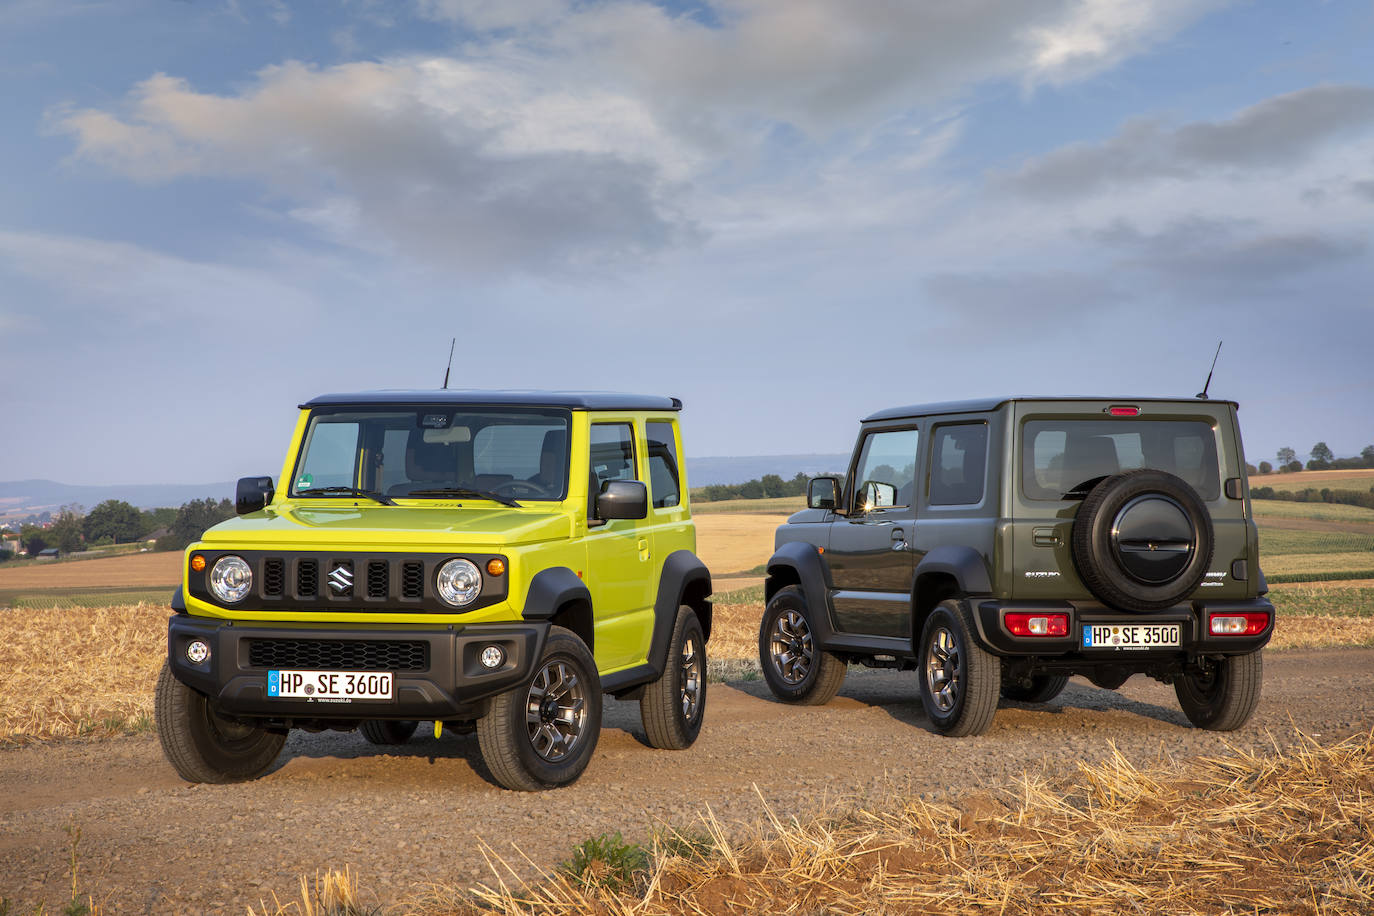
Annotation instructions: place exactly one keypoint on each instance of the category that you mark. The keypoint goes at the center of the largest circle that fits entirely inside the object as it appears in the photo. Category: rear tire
(796, 669)
(1041, 689)
(1223, 698)
(673, 707)
(960, 682)
(542, 734)
(202, 745)
(388, 731)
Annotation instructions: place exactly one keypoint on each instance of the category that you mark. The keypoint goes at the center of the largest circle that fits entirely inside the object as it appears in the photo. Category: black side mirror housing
(252, 494)
(823, 493)
(622, 499)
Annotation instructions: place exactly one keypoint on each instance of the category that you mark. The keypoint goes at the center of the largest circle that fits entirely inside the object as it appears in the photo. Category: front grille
(339, 654)
(412, 580)
(273, 578)
(378, 579)
(307, 579)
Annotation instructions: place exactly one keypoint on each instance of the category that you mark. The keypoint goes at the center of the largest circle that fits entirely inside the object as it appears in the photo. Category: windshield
(1062, 459)
(501, 453)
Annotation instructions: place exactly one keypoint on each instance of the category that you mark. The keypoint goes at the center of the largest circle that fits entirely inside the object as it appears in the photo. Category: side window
(665, 484)
(886, 469)
(958, 464)
(613, 454)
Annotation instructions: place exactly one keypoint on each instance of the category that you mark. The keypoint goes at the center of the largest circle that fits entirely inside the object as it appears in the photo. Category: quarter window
(665, 483)
(958, 464)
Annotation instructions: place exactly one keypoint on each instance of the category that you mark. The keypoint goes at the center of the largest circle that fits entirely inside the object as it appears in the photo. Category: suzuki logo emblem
(341, 579)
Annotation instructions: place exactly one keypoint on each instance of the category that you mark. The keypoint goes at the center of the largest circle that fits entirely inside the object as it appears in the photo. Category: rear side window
(958, 464)
(1063, 459)
(665, 485)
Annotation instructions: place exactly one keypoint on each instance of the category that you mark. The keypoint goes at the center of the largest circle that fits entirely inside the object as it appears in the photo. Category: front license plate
(330, 685)
(1131, 636)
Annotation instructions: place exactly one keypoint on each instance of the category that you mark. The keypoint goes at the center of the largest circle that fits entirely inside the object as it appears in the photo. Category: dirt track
(153, 844)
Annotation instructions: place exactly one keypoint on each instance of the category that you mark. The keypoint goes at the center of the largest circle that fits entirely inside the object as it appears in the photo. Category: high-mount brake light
(1039, 624)
(1245, 623)
(1123, 411)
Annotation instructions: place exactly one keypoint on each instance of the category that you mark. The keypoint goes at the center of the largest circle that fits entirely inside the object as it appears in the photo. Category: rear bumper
(442, 677)
(1192, 619)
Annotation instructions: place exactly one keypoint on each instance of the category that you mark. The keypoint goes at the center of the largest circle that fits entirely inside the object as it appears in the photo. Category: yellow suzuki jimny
(488, 560)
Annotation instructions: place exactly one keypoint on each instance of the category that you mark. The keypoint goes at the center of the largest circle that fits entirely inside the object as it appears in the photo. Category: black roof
(574, 400)
(982, 405)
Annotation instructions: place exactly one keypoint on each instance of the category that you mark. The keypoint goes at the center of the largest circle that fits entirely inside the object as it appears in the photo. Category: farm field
(1345, 479)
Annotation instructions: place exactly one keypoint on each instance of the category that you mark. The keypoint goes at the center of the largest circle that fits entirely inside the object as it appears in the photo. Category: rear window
(1063, 459)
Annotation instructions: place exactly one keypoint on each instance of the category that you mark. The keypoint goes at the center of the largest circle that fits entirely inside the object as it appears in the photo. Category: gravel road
(151, 843)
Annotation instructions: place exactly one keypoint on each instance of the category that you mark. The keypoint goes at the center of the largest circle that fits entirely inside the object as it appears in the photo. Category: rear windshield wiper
(347, 491)
(469, 492)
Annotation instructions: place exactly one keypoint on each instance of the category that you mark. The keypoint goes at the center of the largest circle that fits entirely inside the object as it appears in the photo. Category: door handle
(898, 539)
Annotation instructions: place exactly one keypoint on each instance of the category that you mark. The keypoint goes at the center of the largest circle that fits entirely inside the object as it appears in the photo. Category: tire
(796, 669)
(542, 734)
(673, 707)
(1223, 698)
(203, 746)
(1041, 689)
(1142, 540)
(388, 731)
(960, 682)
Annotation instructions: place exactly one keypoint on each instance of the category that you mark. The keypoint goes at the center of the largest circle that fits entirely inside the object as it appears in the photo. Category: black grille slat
(339, 654)
(273, 577)
(307, 579)
(378, 579)
(412, 580)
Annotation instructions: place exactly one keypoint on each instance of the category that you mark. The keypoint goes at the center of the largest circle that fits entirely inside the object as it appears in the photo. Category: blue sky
(789, 213)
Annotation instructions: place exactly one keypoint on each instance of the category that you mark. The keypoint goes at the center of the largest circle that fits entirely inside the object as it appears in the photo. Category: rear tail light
(1022, 624)
(1246, 623)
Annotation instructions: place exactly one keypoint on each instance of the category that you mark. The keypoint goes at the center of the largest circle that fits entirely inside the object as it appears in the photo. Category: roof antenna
(454, 342)
(1208, 384)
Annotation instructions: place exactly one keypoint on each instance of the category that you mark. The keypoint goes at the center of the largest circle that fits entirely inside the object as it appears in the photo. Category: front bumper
(1194, 636)
(438, 675)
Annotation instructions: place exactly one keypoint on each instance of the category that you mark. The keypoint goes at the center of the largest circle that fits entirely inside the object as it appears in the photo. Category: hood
(443, 526)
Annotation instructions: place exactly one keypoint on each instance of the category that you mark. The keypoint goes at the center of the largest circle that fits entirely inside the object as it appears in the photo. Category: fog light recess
(493, 657)
(197, 651)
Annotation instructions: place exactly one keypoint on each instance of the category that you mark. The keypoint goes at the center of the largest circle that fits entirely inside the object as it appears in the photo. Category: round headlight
(459, 582)
(230, 579)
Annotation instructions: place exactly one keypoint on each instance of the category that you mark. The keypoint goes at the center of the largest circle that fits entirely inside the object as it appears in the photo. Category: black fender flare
(681, 570)
(805, 562)
(551, 589)
(965, 564)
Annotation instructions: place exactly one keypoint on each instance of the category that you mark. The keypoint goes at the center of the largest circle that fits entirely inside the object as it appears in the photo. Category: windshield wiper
(347, 491)
(469, 492)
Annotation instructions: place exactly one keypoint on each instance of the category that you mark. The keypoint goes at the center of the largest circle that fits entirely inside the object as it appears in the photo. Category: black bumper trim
(455, 686)
(1194, 638)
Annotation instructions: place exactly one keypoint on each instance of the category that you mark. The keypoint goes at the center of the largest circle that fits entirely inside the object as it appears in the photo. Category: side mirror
(252, 494)
(823, 493)
(622, 499)
(877, 495)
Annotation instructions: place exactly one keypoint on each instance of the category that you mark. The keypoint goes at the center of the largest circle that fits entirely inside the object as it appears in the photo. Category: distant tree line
(1319, 459)
(117, 522)
(1313, 495)
(769, 486)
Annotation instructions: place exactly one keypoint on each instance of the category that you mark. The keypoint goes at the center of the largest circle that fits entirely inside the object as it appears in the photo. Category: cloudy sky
(789, 213)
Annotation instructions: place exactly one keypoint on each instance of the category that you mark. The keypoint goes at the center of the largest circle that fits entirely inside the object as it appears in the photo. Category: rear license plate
(1130, 636)
(330, 685)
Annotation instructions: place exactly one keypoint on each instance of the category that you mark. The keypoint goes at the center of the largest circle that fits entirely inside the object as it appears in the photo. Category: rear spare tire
(1142, 540)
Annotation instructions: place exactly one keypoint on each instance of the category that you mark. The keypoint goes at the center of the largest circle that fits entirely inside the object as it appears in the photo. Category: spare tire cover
(1142, 540)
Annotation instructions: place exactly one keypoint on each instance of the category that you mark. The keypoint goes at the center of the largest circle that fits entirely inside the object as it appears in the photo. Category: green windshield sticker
(305, 482)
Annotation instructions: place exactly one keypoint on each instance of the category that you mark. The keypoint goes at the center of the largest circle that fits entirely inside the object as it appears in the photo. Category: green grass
(1279, 541)
(41, 598)
(782, 505)
(751, 595)
(1317, 512)
(1320, 576)
(1324, 602)
(607, 862)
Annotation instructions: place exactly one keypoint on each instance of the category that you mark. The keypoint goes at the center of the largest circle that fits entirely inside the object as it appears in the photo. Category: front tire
(388, 731)
(796, 669)
(542, 734)
(1224, 694)
(673, 707)
(960, 681)
(202, 745)
(1041, 689)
